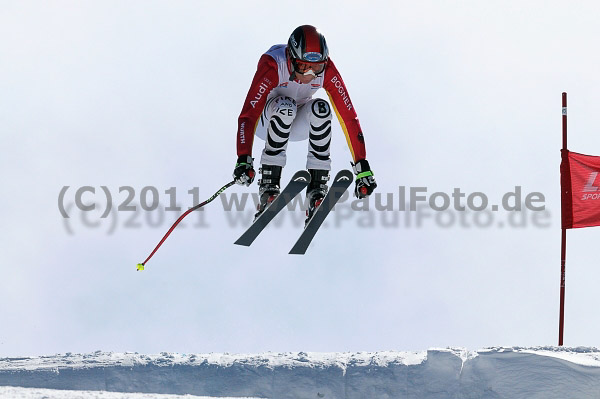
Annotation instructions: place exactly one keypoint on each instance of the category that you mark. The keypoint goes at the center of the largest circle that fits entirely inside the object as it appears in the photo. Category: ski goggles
(309, 68)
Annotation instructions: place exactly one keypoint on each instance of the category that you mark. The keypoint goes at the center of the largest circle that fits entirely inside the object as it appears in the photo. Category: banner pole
(563, 249)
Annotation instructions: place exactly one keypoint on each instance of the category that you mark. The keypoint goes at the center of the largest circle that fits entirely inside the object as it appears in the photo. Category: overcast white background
(147, 93)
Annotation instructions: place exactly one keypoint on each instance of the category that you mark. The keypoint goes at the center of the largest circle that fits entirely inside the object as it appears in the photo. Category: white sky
(146, 93)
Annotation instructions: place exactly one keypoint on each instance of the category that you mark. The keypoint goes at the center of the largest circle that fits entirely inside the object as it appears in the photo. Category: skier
(279, 108)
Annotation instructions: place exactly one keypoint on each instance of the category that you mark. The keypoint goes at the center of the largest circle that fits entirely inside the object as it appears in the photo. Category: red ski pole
(140, 266)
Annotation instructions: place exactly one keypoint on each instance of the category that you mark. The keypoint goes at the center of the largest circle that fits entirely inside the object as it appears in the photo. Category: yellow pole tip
(140, 266)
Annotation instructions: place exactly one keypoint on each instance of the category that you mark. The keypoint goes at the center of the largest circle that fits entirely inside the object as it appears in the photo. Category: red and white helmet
(307, 51)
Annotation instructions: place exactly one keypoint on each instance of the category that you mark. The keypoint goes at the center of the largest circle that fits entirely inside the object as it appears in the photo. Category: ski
(339, 186)
(298, 182)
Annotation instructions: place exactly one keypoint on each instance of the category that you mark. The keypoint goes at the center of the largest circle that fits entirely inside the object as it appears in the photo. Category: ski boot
(268, 187)
(316, 191)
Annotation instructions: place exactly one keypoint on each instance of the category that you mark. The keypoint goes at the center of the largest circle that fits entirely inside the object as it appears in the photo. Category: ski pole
(140, 266)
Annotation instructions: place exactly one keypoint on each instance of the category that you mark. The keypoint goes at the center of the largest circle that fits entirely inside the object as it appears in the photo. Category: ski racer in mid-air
(279, 108)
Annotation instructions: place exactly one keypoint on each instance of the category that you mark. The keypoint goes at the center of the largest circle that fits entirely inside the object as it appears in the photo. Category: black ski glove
(365, 182)
(244, 172)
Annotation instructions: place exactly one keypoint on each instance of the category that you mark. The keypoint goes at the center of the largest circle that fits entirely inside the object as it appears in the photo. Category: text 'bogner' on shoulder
(340, 89)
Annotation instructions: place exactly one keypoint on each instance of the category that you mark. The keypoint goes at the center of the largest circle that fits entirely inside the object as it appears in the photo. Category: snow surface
(40, 393)
(543, 372)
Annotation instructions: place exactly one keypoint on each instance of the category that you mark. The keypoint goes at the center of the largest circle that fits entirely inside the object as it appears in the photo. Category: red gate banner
(580, 190)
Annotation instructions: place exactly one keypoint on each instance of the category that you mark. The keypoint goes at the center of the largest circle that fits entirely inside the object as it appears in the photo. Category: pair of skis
(299, 181)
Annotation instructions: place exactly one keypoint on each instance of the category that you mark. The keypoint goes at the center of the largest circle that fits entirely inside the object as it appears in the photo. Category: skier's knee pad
(285, 109)
(320, 112)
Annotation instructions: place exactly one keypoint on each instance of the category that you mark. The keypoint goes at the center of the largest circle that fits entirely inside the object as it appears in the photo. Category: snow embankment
(42, 393)
(437, 373)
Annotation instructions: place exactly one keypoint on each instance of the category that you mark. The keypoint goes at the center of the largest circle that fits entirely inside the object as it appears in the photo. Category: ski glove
(244, 172)
(365, 182)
